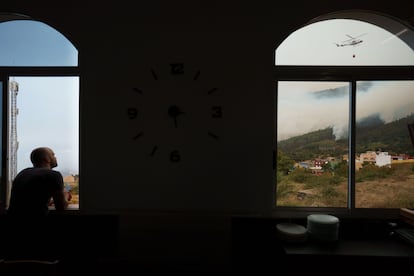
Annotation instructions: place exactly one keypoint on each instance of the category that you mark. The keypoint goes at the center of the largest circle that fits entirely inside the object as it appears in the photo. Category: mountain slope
(371, 134)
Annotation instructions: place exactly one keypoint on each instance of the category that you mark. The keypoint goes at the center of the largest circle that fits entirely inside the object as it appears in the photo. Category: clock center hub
(174, 111)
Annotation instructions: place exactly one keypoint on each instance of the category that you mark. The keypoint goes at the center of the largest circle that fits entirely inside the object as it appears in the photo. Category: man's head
(43, 157)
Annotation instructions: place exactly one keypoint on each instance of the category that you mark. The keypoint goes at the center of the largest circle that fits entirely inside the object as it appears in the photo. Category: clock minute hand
(174, 111)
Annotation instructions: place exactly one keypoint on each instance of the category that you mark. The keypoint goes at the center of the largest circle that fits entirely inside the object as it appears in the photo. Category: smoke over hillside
(309, 106)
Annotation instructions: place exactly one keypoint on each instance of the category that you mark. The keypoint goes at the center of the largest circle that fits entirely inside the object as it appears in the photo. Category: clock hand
(174, 111)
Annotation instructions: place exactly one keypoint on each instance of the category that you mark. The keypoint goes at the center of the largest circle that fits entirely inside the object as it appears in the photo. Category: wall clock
(174, 109)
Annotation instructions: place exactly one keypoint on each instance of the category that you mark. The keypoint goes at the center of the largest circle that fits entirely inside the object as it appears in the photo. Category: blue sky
(25, 42)
(48, 116)
(48, 106)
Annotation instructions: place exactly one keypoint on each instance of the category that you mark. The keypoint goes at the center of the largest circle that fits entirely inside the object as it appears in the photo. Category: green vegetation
(392, 137)
(305, 146)
(300, 187)
(329, 188)
(304, 176)
(372, 172)
(284, 163)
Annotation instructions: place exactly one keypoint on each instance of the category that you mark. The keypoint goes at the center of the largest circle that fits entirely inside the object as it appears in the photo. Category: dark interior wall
(232, 43)
(211, 173)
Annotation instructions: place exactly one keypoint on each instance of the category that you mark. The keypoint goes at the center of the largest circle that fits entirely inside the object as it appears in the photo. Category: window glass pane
(312, 143)
(346, 42)
(47, 114)
(384, 152)
(3, 181)
(32, 43)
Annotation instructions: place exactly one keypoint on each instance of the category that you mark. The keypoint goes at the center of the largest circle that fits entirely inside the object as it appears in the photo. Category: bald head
(43, 157)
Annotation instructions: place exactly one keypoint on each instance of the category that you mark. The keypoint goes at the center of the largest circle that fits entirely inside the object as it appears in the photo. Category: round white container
(322, 227)
(291, 232)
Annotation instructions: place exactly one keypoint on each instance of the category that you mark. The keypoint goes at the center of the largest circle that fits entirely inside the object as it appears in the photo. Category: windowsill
(71, 207)
(369, 248)
(303, 212)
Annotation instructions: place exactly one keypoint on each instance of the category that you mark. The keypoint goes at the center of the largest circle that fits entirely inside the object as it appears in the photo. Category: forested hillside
(371, 134)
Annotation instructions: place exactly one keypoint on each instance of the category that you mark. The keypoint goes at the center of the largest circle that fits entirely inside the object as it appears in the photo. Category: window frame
(6, 72)
(39, 71)
(350, 74)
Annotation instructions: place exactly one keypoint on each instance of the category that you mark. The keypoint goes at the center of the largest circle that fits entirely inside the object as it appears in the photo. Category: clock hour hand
(174, 111)
(175, 121)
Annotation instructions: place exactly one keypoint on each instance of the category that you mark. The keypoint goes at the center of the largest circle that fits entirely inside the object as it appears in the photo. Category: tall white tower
(13, 143)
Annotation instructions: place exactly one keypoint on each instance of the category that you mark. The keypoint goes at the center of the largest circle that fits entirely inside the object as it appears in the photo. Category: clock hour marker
(216, 112)
(132, 113)
(175, 156)
(197, 74)
(212, 91)
(211, 134)
(154, 149)
(139, 91)
(138, 135)
(174, 111)
(177, 68)
(154, 75)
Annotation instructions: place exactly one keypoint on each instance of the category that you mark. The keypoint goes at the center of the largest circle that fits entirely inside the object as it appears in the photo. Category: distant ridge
(371, 134)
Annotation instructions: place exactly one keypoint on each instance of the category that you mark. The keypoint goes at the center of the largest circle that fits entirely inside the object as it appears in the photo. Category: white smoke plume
(304, 107)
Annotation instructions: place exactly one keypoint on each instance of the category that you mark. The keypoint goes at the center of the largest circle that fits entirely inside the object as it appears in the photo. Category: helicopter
(352, 41)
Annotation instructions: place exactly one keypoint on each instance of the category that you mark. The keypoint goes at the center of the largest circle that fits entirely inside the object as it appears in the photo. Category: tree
(284, 163)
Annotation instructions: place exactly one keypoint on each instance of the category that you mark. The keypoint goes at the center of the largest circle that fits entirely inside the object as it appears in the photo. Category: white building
(383, 159)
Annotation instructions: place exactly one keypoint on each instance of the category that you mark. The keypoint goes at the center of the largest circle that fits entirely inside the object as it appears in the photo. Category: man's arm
(61, 196)
(61, 199)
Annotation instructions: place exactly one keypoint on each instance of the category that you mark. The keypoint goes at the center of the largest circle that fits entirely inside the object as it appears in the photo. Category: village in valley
(378, 158)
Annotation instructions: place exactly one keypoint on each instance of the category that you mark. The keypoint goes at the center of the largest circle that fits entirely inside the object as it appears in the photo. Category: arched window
(39, 80)
(345, 99)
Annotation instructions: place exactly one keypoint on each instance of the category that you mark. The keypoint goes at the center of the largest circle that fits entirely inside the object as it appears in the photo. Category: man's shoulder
(53, 172)
(40, 171)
